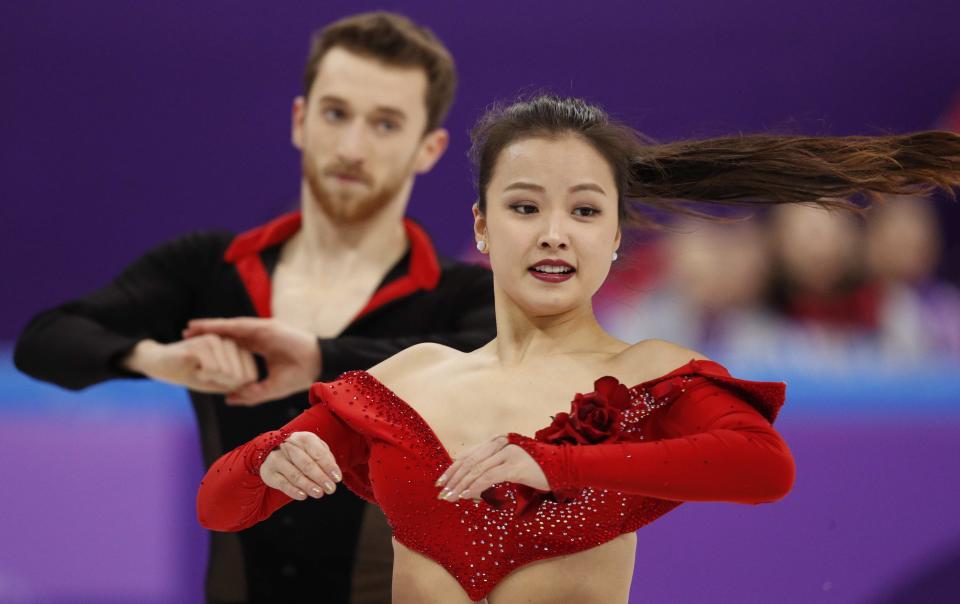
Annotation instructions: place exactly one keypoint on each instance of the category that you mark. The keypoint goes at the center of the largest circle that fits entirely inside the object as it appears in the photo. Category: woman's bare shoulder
(649, 359)
(412, 362)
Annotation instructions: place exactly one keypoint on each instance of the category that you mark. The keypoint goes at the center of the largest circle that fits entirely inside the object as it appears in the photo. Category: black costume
(308, 549)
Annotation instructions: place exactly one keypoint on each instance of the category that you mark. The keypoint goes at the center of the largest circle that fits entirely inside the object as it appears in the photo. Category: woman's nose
(554, 235)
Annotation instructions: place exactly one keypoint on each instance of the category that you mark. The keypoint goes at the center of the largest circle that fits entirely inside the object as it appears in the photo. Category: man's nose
(351, 148)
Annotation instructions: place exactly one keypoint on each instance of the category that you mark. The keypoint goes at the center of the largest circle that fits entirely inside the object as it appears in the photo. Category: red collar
(423, 271)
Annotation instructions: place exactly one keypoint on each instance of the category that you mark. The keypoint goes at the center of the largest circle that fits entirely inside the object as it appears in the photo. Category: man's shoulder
(454, 265)
(458, 274)
(198, 245)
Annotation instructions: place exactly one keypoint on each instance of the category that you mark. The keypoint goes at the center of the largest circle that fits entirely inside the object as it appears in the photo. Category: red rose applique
(594, 418)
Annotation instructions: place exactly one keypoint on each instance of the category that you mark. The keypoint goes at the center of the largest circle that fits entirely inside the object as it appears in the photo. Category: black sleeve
(80, 343)
(471, 292)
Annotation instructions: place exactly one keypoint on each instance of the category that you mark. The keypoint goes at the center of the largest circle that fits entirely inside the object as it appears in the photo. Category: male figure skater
(347, 268)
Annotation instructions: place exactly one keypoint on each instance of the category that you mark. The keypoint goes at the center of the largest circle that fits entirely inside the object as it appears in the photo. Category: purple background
(124, 124)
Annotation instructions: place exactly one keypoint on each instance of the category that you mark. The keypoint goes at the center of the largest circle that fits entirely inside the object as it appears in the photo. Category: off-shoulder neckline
(428, 429)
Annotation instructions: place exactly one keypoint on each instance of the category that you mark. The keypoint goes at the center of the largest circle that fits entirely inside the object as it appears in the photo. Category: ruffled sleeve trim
(765, 397)
(344, 432)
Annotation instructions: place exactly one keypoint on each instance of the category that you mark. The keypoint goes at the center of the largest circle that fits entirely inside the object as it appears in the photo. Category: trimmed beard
(358, 210)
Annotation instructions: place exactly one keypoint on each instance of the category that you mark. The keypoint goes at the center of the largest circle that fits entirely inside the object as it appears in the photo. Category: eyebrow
(588, 186)
(529, 186)
(391, 111)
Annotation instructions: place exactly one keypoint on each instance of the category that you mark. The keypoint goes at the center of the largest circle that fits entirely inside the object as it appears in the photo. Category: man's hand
(301, 467)
(205, 364)
(292, 356)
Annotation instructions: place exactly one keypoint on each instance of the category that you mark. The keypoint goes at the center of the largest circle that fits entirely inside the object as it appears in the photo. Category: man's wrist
(137, 361)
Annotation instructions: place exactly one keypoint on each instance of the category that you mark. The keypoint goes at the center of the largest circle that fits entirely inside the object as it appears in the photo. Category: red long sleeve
(709, 445)
(232, 496)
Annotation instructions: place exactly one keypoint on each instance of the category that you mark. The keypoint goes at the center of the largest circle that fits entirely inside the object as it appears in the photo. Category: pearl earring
(615, 256)
(481, 246)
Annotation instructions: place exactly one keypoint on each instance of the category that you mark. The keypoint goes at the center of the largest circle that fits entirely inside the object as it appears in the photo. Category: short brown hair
(394, 40)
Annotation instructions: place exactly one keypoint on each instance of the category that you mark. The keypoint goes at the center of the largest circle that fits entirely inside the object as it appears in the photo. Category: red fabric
(424, 271)
(244, 253)
(697, 435)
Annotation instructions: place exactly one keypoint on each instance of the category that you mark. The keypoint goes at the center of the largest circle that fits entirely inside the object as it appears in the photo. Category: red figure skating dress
(695, 434)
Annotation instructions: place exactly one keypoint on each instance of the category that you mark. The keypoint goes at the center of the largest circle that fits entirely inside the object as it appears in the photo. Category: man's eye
(586, 211)
(387, 126)
(523, 208)
(334, 115)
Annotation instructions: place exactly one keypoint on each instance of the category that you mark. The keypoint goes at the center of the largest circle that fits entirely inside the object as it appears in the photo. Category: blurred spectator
(820, 281)
(806, 288)
(710, 295)
(919, 316)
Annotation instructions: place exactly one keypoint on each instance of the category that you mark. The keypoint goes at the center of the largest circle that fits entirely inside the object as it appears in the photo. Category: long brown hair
(742, 170)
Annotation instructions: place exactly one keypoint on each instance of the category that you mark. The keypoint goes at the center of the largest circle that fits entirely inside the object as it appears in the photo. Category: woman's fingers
(465, 487)
(468, 486)
(279, 473)
(453, 479)
(500, 472)
(302, 466)
(319, 451)
(308, 467)
(282, 484)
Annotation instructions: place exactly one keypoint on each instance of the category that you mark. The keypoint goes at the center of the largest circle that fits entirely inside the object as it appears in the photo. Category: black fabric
(305, 550)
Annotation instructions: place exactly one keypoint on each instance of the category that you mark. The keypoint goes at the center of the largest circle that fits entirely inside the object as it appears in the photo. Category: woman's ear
(479, 223)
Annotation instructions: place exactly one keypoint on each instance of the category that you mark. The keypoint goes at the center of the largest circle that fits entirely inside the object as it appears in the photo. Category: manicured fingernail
(451, 496)
(440, 481)
(337, 475)
(316, 491)
(301, 494)
(464, 495)
(329, 487)
(443, 494)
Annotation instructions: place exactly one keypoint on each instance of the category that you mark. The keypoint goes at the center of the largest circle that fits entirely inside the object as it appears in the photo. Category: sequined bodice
(476, 543)
(709, 438)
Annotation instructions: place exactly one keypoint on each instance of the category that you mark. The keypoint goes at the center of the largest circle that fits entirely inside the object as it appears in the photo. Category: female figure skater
(490, 498)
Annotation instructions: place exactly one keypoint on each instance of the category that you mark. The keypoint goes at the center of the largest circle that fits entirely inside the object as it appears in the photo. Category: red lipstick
(552, 270)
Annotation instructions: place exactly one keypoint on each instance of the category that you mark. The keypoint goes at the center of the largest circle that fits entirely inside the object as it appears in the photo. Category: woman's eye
(524, 208)
(586, 211)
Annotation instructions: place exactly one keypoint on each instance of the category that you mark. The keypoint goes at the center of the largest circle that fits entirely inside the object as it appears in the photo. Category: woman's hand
(301, 467)
(480, 467)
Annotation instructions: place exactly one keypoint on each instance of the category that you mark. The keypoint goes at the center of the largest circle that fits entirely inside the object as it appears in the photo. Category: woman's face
(551, 224)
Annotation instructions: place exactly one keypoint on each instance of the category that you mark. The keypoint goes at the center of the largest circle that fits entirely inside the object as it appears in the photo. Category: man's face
(361, 131)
